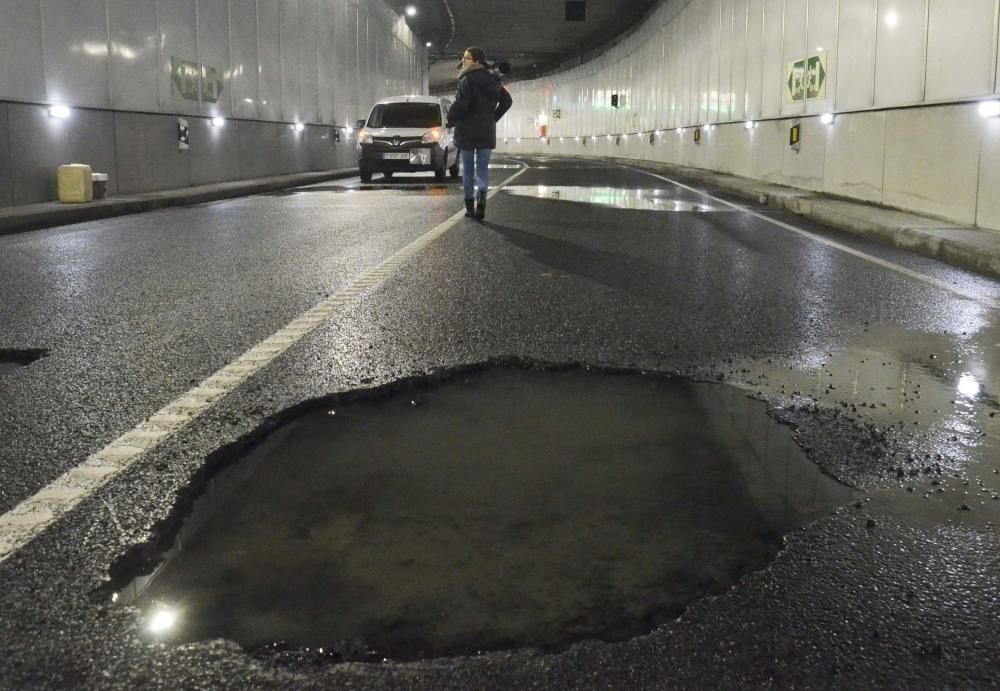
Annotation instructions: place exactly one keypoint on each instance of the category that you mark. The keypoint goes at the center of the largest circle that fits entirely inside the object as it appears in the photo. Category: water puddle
(490, 509)
(380, 187)
(620, 198)
(933, 396)
(16, 358)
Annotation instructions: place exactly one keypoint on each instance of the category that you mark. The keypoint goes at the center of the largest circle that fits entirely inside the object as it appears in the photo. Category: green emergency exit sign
(807, 79)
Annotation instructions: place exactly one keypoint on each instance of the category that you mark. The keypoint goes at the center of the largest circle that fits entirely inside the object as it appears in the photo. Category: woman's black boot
(481, 205)
(470, 208)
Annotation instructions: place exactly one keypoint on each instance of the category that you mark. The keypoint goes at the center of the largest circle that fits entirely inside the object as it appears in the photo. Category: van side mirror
(359, 123)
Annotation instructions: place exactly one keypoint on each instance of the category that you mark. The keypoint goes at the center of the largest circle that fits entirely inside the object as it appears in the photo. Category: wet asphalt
(889, 381)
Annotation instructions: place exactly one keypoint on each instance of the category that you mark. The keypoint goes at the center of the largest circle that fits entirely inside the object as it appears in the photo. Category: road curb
(18, 219)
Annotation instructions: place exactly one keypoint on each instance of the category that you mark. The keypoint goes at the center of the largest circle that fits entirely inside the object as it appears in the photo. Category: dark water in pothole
(12, 359)
(497, 509)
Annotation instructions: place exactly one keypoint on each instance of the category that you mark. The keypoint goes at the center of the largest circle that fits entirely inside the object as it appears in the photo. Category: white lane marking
(831, 243)
(28, 519)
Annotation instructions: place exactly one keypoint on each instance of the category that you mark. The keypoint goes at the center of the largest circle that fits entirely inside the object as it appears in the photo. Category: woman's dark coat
(480, 102)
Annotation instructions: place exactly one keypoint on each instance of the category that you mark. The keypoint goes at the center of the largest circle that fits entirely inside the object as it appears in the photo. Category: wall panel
(243, 39)
(134, 50)
(148, 158)
(960, 48)
(75, 43)
(854, 156)
(938, 177)
(804, 168)
(178, 40)
(988, 213)
(293, 150)
(773, 85)
(6, 177)
(713, 63)
(309, 43)
(726, 45)
(901, 52)
(740, 8)
(269, 87)
(213, 49)
(291, 61)
(794, 48)
(215, 154)
(327, 72)
(755, 58)
(40, 144)
(856, 54)
(258, 148)
(822, 41)
(21, 50)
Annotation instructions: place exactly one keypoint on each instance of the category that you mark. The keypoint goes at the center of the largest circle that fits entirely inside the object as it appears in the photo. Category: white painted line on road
(28, 519)
(832, 243)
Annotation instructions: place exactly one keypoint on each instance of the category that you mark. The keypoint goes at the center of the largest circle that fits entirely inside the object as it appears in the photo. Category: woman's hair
(477, 53)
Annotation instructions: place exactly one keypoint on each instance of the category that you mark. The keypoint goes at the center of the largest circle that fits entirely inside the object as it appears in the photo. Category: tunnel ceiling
(533, 35)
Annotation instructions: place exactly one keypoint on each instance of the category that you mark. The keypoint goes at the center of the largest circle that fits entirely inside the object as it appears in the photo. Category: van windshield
(416, 115)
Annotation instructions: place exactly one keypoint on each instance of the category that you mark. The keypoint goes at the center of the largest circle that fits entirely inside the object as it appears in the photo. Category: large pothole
(15, 358)
(493, 509)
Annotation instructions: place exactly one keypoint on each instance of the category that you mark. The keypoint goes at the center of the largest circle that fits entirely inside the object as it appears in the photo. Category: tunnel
(448, 344)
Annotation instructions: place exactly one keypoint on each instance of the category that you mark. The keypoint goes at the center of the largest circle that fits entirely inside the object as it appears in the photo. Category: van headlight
(365, 137)
(432, 136)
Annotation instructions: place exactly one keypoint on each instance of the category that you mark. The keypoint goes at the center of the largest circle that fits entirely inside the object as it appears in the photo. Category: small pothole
(488, 510)
(15, 358)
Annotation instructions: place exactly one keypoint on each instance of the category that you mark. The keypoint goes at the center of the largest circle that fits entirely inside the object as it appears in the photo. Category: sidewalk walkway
(14, 219)
(966, 247)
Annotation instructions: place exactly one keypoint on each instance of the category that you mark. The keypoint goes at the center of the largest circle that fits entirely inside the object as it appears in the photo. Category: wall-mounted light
(298, 127)
(411, 11)
(218, 122)
(989, 109)
(60, 112)
(428, 44)
(749, 125)
(827, 118)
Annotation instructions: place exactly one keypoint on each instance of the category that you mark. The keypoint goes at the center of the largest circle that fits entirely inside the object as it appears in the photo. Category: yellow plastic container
(76, 183)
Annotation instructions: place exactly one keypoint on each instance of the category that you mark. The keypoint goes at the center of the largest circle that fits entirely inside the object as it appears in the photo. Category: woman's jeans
(476, 171)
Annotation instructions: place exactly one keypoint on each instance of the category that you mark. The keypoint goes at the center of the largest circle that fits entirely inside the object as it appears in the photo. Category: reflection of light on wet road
(163, 621)
(968, 386)
(644, 199)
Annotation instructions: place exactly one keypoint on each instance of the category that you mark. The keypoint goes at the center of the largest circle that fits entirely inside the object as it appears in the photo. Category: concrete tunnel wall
(904, 78)
(129, 68)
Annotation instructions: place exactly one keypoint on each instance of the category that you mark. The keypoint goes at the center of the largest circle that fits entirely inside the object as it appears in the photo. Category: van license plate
(402, 156)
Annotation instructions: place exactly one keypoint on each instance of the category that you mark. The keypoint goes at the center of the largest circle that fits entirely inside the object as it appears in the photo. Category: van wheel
(366, 175)
(454, 169)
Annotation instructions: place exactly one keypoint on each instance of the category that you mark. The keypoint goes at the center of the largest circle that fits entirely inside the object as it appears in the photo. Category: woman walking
(481, 101)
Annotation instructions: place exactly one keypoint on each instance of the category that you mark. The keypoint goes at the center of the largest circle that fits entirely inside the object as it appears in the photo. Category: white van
(405, 134)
